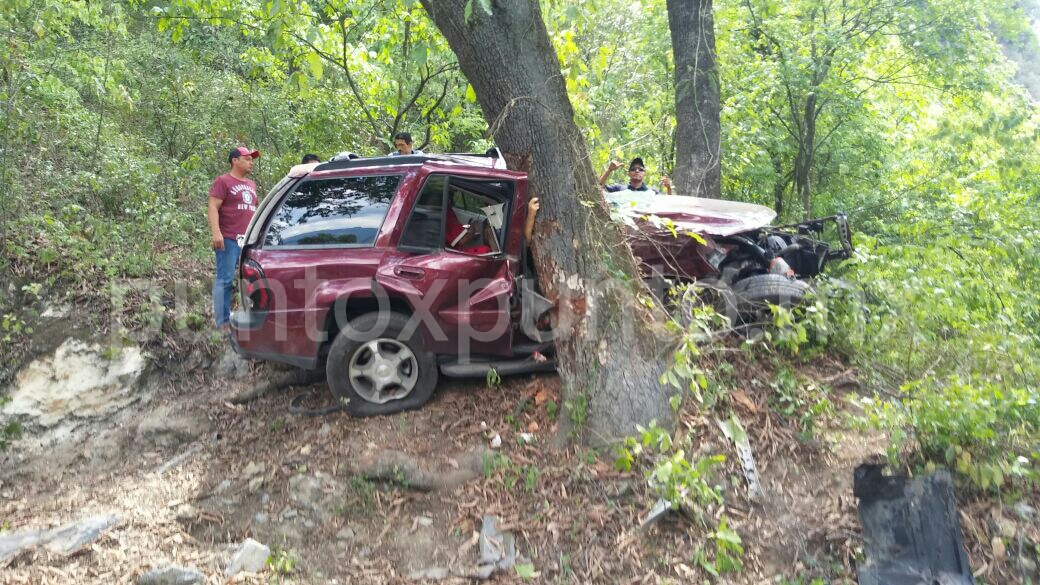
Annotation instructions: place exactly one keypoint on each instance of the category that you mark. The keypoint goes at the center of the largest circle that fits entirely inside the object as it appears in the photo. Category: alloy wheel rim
(382, 370)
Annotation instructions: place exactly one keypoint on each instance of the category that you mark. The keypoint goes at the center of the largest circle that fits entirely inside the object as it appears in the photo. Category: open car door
(452, 267)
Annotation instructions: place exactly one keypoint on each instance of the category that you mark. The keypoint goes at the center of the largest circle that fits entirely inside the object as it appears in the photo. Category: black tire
(754, 292)
(362, 394)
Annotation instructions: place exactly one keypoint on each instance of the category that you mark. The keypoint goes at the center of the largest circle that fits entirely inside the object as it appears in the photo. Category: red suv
(391, 270)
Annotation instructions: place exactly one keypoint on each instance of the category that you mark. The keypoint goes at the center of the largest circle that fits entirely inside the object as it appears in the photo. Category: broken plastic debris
(735, 432)
(661, 507)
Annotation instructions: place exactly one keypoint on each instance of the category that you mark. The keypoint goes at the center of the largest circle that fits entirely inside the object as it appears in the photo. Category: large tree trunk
(698, 169)
(613, 350)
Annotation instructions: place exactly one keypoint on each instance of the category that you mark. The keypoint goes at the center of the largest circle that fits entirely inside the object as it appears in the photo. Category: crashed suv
(730, 249)
(391, 271)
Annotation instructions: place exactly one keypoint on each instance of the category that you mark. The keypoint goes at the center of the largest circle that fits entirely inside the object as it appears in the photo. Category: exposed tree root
(423, 475)
(295, 377)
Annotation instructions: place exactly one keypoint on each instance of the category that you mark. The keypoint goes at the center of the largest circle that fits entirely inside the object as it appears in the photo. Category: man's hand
(218, 241)
(613, 166)
(667, 184)
(533, 206)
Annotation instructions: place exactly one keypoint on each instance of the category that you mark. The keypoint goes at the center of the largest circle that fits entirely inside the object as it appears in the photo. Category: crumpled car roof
(714, 217)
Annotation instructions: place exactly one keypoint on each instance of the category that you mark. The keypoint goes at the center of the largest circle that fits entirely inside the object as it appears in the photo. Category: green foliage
(686, 372)
(670, 474)
(508, 474)
(576, 410)
(551, 409)
(728, 549)
(684, 485)
(525, 571)
(10, 431)
(385, 59)
(803, 402)
(986, 432)
(13, 327)
(492, 379)
(281, 562)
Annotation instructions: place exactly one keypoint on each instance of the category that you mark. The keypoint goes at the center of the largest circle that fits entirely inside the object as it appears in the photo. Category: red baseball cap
(242, 151)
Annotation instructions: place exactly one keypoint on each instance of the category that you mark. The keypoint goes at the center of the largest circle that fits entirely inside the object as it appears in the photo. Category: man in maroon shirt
(232, 202)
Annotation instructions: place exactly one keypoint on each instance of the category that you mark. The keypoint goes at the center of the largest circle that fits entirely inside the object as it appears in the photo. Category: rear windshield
(344, 211)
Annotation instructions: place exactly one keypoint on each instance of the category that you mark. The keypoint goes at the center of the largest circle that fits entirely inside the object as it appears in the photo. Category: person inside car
(457, 235)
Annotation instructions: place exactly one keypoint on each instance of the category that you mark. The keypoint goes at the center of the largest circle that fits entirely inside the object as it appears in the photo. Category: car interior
(481, 205)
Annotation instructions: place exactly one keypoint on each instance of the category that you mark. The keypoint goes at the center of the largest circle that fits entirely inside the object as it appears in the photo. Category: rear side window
(423, 230)
(346, 211)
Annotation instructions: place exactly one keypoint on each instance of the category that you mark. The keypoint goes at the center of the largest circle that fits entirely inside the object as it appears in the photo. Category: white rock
(171, 575)
(251, 557)
(496, 441)
(253, 469)
(79, 380)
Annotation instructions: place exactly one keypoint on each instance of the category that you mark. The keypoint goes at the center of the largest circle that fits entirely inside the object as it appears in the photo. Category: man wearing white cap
(232, 203)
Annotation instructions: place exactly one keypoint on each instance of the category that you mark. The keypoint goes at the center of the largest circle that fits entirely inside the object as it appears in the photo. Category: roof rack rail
(493, 154)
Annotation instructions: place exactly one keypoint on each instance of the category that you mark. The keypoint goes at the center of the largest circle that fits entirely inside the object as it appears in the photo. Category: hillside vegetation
(116, 116)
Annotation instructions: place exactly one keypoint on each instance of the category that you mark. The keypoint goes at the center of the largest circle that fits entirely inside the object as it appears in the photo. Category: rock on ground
(171, 575)
(251, 557)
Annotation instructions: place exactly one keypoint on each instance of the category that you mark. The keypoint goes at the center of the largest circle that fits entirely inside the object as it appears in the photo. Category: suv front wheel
(379, 371)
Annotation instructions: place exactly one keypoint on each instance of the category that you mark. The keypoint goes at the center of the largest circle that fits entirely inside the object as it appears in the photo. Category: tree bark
(698, 170)
(611, 350)
(780, 182)
(803, 163)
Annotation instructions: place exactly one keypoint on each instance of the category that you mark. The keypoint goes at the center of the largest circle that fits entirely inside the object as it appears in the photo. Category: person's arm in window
(532, 211)
(456, 234)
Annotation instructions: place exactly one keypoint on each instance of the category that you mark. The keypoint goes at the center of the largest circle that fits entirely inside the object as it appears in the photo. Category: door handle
(409, 272)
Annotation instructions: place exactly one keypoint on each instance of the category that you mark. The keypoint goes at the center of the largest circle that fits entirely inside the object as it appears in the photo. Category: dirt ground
(190, 475)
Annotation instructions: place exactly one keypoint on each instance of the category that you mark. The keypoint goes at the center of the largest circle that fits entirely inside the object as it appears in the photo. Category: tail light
(256, 296)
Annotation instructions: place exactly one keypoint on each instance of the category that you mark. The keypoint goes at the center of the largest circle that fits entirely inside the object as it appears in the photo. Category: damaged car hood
(714, 217)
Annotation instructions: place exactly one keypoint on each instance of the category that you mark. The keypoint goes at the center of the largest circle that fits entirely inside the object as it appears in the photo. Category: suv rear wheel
(379, 371)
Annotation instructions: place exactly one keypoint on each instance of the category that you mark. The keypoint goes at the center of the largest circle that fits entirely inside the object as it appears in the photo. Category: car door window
(477, 206)
(484, 205)
(344, 211)
(424, 230)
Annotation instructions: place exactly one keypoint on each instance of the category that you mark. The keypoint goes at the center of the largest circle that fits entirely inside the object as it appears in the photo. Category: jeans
(227, 262)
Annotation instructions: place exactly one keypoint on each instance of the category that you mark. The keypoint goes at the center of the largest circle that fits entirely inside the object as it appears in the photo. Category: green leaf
(486, 5)
(471, 96)
(467, 12)
(315, 65)
(525, 571)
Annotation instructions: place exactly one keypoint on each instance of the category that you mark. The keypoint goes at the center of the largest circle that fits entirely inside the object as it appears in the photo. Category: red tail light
(256, 296)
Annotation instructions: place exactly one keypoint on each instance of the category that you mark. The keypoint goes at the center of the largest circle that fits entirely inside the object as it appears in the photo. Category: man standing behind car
(636, 178)
(232, 203)
(403, 145)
